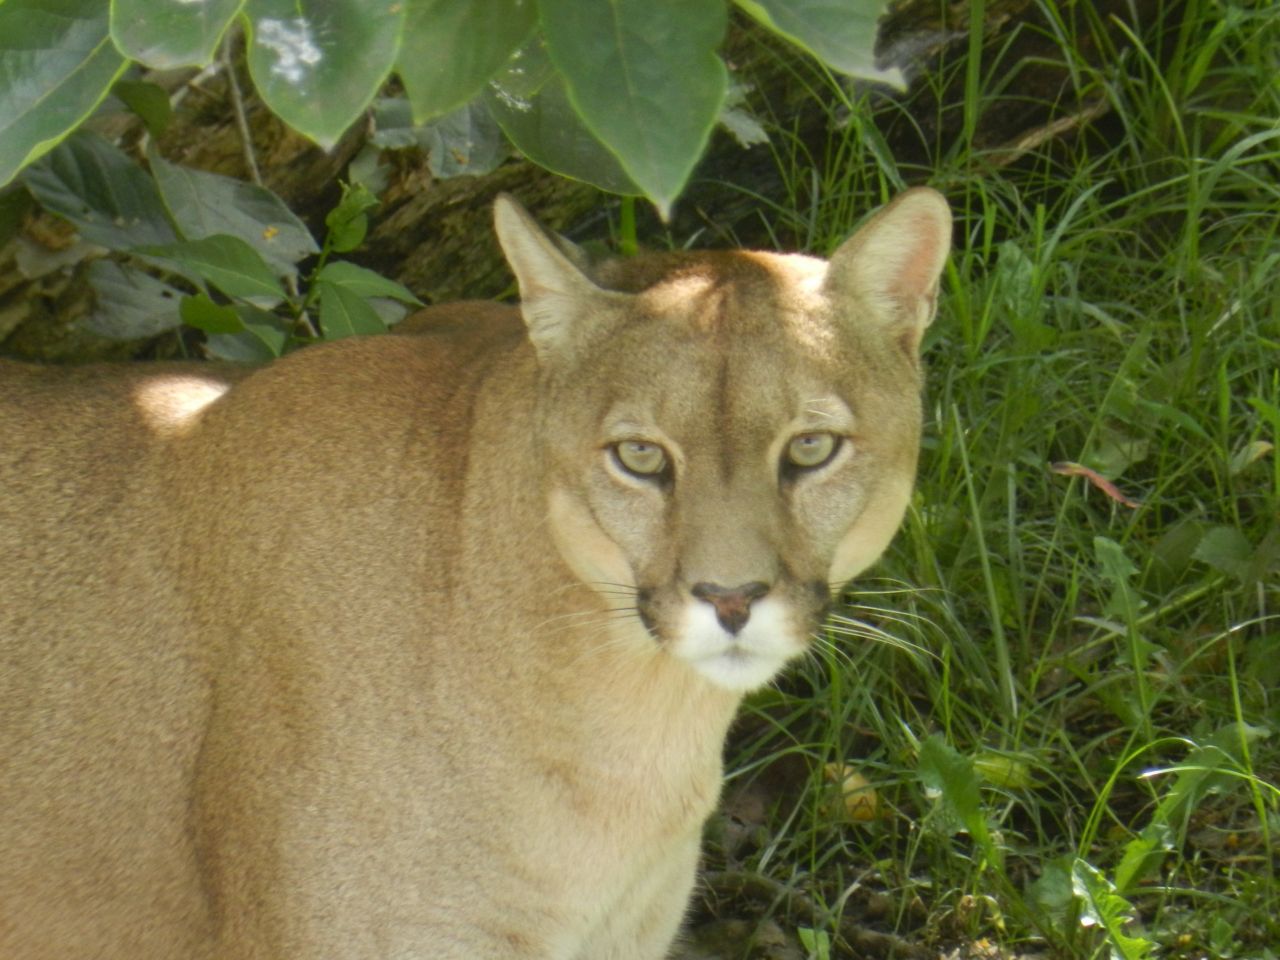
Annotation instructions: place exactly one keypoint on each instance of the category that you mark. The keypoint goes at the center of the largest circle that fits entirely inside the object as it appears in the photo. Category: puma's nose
(733, 604)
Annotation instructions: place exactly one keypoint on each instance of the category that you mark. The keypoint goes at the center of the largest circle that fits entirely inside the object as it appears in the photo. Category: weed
(1062, 692)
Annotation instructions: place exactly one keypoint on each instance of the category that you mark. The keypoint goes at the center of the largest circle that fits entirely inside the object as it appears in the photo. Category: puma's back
(426, 645)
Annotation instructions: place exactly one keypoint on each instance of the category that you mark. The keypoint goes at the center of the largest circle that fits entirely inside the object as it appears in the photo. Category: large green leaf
(130, 304)
(364, 282)
(451, 48)
(318, 63)
(227, 262)
(107, 197)
(646, 79)
(166, 34)
(344, 313)
(148, 100)
(264, 337)
(841, 33)
(530, 103)
(202, 313)
(56, 65)
(204, 204)
(465, 142)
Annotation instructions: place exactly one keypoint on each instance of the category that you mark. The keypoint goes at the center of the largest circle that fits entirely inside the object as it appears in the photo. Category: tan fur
(344, 656)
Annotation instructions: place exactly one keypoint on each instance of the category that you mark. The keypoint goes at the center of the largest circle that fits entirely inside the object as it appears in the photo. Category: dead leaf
(1068, 469)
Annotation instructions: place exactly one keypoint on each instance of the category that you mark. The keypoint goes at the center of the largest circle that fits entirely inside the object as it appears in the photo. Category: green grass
(1069, 708)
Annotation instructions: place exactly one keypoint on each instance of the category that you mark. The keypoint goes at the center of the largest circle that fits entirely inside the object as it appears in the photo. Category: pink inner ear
(917, 274)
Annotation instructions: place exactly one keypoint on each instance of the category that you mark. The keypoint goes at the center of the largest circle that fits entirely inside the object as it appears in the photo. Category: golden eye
(641, 458)
(809, 450)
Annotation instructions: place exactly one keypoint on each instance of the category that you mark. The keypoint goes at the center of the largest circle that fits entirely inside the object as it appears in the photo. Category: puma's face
(730, 436)
(725, 457)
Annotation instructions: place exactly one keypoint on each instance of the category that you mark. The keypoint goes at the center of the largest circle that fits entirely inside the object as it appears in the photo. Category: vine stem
(251, 162)
(242, 121)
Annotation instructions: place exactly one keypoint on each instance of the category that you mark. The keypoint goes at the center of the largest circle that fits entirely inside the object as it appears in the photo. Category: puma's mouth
(741, 660)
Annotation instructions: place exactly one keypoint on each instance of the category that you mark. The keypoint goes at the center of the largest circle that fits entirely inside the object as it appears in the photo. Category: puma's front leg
(642, 924)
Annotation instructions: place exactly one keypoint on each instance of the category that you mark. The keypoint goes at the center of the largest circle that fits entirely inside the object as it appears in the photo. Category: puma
(426, 645)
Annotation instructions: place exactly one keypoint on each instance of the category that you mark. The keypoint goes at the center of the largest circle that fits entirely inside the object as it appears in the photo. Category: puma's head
(727, 436)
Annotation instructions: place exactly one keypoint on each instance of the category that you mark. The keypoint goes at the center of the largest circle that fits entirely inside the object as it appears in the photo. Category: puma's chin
(742, 661)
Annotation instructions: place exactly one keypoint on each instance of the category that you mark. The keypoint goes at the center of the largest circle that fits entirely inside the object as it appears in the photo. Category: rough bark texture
(434, 235)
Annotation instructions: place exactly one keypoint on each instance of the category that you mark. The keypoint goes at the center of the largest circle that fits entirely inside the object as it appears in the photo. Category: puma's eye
(809, 450)
(641, 458)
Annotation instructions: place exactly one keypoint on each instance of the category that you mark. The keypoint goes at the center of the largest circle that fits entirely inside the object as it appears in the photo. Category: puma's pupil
(641, 458)
(809, 450)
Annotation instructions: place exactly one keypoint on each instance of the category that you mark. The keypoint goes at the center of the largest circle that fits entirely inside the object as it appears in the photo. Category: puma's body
(390, 649)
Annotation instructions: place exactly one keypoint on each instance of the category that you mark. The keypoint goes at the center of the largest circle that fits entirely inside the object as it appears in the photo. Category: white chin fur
(742, 662)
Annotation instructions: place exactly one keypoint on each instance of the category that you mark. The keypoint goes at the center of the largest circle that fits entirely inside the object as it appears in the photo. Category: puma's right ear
(892, 265)
(549, 270)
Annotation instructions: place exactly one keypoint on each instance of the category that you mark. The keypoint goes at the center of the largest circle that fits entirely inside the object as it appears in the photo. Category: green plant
(622, 93)
(1069, 715)
(199, 235)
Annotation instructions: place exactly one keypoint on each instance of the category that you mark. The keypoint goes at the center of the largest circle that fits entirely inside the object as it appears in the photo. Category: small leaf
(1051, 892)
(347, 222)
(202, 313)
(364, 283)
(1114, 451)
(58, 63)
(735, 118)
(1143, 855)
(130, 304)
(148, 100)
(1102, 907)
(164, 34)
(204, 204)
(467, 142)
(451, 48)
(393, 124)
(228, 263)
(1248, 455)
(346, 314)
(263, 338)
(842, 35)
(817, 943)
(1020, 297)
(367, 169)
(950, 777)
(529, 101)
(107, 197)
(1003, 770)
(1225, 549)
(1116, 566)
(318, 63)
(1173, 554)
(645, 78)
(348, 234)
(1118, 570)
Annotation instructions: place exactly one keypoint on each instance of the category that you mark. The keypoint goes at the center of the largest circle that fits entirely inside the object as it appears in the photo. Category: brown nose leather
(733, 604)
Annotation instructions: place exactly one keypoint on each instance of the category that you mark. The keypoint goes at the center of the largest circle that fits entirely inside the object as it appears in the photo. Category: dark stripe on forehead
(724, 433)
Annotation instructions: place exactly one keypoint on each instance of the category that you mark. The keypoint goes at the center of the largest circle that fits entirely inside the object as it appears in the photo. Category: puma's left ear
(555, 293)
(892, 264)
